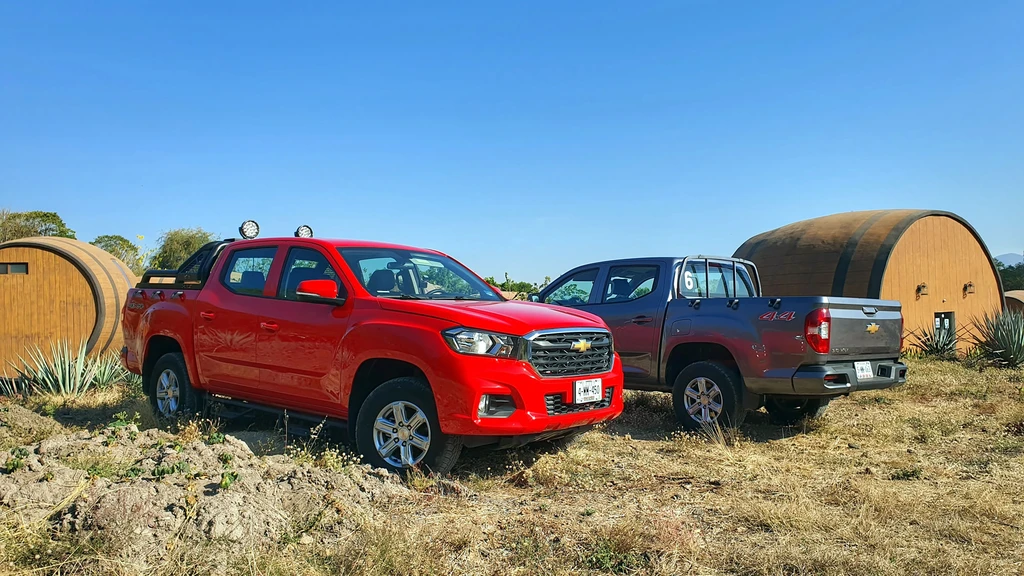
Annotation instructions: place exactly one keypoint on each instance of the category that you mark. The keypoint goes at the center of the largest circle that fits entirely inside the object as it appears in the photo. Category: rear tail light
(817, 329)
(901, 331)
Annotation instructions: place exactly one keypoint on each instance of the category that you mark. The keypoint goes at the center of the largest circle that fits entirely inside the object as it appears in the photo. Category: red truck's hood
(512, 317)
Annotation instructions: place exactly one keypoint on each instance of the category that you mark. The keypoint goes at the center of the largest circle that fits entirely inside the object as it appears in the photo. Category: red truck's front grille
(571, 353)
(557, 405)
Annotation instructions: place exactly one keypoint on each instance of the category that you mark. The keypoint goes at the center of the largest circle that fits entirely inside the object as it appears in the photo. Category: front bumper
(840, 378)
(543, 405)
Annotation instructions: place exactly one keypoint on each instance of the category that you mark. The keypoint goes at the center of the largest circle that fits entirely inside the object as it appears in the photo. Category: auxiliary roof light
(303, 232)
(249, 229)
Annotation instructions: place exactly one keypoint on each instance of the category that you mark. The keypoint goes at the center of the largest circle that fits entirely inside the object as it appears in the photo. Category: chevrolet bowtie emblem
(581, 345)
(872, 328)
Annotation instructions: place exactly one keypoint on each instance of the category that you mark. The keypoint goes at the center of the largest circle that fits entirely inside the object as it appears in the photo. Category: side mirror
(319, 291)
(535, 297)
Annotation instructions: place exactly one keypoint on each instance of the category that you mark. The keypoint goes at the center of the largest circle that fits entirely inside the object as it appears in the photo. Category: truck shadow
(650, 416)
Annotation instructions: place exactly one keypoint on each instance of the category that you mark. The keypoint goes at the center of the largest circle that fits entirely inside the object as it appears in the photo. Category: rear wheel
(397, 429)
(786, 412)
(170, 391)
(706, 394)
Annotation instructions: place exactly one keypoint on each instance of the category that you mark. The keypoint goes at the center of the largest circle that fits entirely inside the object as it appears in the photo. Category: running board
(295, 423)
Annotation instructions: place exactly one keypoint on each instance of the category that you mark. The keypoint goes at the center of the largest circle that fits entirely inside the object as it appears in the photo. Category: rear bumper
(832, 379)
(841, 378)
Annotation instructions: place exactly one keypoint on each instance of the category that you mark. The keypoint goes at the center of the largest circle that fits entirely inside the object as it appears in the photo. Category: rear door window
(246, 272)
(627, 283)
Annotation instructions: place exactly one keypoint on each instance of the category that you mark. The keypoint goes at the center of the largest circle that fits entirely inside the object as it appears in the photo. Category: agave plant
(64, 372)
(934, 343)
(109, 370)
(1000, 338)
(11, 387)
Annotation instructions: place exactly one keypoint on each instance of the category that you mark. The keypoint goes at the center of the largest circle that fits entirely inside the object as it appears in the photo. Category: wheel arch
(373, 372)
(687, 353)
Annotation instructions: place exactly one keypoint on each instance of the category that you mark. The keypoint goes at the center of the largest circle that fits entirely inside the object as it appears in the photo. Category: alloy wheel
(703, 400)
(401, 434)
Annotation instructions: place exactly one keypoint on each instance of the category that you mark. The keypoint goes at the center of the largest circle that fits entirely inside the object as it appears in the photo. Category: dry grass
(924, 479)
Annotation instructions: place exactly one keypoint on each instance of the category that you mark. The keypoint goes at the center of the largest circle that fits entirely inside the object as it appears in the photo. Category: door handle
(207, 315)
(640, 320)
(733, 303)
(269, 326)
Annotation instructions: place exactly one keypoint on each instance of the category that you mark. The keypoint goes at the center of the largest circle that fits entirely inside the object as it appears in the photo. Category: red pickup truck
(414, 354)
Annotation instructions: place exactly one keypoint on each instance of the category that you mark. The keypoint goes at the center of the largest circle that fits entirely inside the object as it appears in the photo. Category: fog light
(495, 406)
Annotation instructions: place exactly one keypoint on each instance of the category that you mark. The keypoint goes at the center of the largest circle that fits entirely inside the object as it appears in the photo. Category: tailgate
(865, 328)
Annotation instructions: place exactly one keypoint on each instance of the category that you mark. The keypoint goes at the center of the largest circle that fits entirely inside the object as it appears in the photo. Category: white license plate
(587, 391)
(863, 370)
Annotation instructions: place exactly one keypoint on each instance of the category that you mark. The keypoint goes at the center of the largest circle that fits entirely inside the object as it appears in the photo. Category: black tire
(729, 385)
(189, 401)
(787, 412)
(442, 451)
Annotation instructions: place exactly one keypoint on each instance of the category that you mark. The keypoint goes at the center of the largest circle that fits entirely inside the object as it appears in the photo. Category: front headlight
(466, 341)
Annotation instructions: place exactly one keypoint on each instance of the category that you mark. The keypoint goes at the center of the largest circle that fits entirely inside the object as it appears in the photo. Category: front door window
(574, 291)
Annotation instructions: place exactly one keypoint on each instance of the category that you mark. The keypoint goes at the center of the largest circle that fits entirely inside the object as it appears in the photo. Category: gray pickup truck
(698, 327)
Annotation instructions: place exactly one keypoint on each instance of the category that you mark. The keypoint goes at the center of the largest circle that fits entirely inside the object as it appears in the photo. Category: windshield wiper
(403, 297)
(452, 297)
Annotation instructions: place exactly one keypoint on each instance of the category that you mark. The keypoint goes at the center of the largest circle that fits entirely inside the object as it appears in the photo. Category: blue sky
(524, 137)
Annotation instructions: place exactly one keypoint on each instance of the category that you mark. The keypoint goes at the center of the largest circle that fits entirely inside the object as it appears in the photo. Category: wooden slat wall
(52, 301)
(801, 259)
(960, 260)
(55, 301)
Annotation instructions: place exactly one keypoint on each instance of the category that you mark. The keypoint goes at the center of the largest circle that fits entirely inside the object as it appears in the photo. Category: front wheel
(397, 429)
(786, 412)
(707, 394)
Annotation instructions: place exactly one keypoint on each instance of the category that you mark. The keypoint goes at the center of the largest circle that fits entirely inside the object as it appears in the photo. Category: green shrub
(1000, 338)
(227, 478)
(932, 343)
(65, 372)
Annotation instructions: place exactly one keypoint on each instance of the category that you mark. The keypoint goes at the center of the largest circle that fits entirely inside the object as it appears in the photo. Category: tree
(14, 225)
(124, 249)
(48, 224)
(177, 245)
(1012, 276)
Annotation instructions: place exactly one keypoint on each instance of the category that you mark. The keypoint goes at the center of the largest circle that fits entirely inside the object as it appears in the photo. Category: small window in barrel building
(13, 268)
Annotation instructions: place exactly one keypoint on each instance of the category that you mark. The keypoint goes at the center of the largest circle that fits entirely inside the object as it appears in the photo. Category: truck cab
(703, 319)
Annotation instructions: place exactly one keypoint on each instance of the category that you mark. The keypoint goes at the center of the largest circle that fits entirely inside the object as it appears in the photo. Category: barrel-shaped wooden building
(1015, 300)
(59, 289)
(934, 263)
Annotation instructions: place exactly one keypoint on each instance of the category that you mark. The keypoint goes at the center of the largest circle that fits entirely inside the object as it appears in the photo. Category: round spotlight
(303, 232)
(249, 229)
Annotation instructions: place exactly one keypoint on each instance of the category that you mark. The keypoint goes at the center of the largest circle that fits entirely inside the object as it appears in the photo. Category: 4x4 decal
(781, 316)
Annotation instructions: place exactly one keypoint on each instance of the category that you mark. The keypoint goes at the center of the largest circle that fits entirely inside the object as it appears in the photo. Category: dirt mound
(146, 492)
(19, 425)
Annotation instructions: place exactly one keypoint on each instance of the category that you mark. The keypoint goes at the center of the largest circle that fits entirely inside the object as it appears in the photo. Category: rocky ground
(146, 492)
(924, 479)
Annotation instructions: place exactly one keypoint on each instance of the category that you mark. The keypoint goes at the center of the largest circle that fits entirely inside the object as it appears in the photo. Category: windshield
(391, 273)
